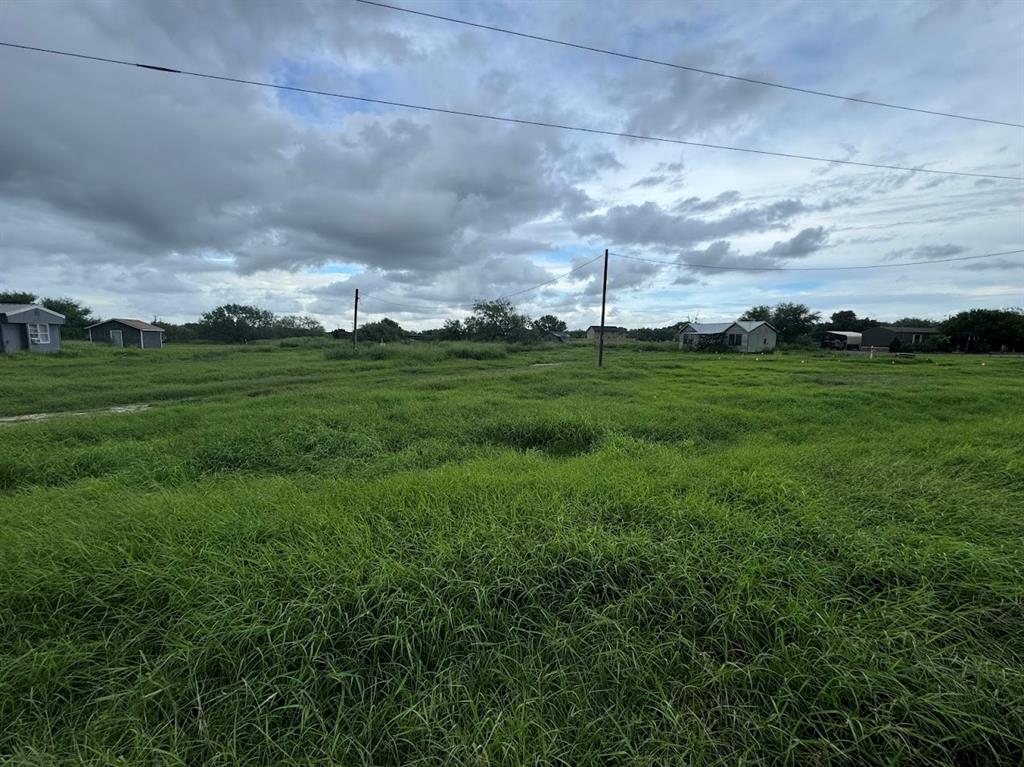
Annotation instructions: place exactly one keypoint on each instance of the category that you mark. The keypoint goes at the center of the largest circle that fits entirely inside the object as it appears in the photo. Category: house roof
(901, 329)
(751, 325)
(717, 328)
(14, 309)
(707, 328)
(137, 324)
(607, 328)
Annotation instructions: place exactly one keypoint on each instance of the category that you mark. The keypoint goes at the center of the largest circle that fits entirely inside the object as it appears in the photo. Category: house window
(735, 339)
(38, 334)
(916, 339)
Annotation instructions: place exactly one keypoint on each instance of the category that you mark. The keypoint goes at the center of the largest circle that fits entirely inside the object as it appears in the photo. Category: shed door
(116, 339)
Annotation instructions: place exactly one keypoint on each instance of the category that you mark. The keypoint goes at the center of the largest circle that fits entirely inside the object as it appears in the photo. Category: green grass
(452, 554)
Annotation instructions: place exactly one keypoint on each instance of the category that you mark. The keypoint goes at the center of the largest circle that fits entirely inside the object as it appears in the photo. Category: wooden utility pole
(355, 319)
(604, 299)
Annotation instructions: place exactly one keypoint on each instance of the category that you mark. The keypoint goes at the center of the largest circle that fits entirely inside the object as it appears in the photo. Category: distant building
(841, 339)
(124, 333)
(556, 337)
(909, 338)
(741, 335)
(29, 327)
(610, 331)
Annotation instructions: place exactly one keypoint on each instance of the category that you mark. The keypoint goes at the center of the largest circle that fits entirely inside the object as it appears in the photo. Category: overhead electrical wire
(811, 268)
(555, 279)
(505, 119)
(687, 68)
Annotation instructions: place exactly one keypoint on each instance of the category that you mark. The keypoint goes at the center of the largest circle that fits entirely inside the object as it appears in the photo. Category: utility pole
(604, 299)
(355, 319)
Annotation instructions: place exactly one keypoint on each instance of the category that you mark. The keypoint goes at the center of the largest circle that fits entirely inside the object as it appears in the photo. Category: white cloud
(145, 193)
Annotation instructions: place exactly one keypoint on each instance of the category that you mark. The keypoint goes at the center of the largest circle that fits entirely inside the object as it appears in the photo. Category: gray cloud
(721, 253)
(989, 264)
(650, 225)
(698, 205)
(145, 192)
(925, 252)
(648, 181)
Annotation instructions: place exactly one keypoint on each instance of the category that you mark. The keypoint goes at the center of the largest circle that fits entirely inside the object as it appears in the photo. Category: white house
(741, 335)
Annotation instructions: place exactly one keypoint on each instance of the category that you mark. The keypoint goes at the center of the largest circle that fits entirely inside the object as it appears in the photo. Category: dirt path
(102, 411)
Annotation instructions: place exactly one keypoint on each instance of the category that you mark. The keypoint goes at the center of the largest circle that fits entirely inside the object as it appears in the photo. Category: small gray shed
(122, 333)
(29, 327)
(610, 331)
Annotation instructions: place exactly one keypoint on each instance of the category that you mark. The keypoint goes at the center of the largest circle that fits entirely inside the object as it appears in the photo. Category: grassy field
(481, 556)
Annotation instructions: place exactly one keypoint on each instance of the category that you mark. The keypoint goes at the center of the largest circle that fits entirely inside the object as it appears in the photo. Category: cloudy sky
(156, 195)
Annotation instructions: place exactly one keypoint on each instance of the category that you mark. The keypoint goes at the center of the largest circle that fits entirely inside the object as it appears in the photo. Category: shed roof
(137, 324)
(902, 329)
(717, 328)
(14, 309)
(613, 328)
(707, 328)
(751, 325)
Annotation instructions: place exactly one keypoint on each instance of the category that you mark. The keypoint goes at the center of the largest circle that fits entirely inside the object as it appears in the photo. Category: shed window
(735, 339)
(38, 334)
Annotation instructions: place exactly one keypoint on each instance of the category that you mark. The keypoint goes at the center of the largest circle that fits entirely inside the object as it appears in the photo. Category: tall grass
(427, 558)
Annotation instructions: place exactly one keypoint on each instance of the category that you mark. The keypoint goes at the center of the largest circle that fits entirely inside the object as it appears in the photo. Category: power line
(505, 119)
(555, 279)
(812, 268)
(698, 70)
(499, 298)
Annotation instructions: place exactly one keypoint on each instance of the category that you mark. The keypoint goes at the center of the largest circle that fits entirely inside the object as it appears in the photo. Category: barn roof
(717, 328)
(902, 329)
(137, 324)
(849, 335)
(707, 328)
(13, 309)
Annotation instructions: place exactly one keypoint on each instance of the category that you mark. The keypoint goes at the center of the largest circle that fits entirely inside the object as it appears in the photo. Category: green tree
(915, 322)
(983, 330)
(17, 297)
(385, 330)
(844, 320)
(498, 321)
(188, 331)
(236, 323)
(848, 320)
(793, 320)
(760, 313)
(292, 325)
(77, 316)
(452, 331)
(669, 333)
(549, 323)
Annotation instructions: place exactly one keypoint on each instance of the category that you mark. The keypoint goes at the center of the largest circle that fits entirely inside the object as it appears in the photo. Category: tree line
(974, 330)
